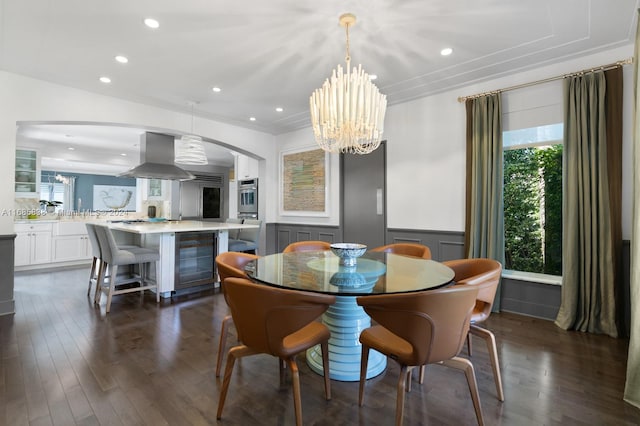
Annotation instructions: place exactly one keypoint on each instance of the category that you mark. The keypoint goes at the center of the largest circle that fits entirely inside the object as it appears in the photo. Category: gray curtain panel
(484, 219)
(632, 385)
(592, 236)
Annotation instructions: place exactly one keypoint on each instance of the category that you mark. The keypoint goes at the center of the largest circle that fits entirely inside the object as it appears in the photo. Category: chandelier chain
(348, 57)
(192, 108)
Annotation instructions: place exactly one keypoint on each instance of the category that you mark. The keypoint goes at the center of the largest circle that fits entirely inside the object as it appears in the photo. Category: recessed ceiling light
(279, 109)
(216, 89)
(446, 51)
(123, 154)
(122, 59)
(373, 76)
(151, 23)
(252, 118)
(71, 148)
(105, 80)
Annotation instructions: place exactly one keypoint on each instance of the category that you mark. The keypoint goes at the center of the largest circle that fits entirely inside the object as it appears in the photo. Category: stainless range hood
(156, 158)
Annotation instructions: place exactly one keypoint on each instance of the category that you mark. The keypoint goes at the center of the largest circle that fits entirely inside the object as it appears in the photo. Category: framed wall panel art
(110, 197)
(305, 179)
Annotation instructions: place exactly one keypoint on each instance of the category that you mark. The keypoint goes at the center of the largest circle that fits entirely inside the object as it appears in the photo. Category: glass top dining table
(373, 273)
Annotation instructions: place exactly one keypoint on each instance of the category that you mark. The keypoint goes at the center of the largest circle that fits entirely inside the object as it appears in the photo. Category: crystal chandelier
(347, 112)
(189, 149)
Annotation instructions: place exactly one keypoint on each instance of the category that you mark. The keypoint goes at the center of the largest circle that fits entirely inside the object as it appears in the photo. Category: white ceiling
(268, 54)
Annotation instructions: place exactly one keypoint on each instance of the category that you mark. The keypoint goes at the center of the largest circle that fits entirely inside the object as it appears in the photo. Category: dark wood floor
(64, 362)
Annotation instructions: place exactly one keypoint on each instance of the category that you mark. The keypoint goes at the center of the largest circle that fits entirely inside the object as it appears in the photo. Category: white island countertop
(165, 236)
(176, 226)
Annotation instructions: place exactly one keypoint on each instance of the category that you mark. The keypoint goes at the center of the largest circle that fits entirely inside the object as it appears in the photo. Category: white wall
(426, 164)
(26, 99)
(426, 150)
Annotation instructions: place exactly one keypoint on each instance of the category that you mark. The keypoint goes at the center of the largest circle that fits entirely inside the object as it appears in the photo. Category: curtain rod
(546, 80)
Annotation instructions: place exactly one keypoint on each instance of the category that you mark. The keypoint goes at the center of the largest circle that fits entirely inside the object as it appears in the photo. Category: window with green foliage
(533, 199)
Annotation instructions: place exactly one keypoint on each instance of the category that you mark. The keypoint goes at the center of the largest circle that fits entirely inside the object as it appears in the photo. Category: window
(52, 191)
(532, 148)
(533, 199)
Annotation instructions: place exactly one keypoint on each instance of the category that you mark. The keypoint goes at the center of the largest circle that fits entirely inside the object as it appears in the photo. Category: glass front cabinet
(27, 175)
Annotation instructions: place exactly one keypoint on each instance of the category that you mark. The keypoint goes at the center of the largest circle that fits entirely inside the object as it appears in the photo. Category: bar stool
(96, 263)
(247, 241)
(113, 256)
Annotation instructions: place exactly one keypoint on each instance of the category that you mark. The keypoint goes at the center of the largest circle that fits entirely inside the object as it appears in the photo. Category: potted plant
(50, 206)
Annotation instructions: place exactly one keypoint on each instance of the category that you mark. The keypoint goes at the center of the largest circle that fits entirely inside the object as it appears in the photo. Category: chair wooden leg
(364, 360)
(234, 353)
(283, 371)
(222, 344)
(157, 266)
(295, 376)
(490, 338)
(466, 366)
(102, 278)
(324, 348)
(402, 380)
(231, 359)
(94, 264)
(142, 274)
(469, 349)
(112, 286)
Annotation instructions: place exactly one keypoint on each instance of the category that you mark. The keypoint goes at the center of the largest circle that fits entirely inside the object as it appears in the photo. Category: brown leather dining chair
(229, 264)
(485, 274)
(310, 245)
(416, 329)
(278, 322)
(407, 249)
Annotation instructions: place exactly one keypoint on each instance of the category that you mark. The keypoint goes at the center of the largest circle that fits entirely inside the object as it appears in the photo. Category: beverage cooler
(194, 259)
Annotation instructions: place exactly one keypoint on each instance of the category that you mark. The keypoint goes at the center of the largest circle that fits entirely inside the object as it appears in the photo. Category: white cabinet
(70, 242)
(32, 244)
(39, 245)
(72, 247)
(246, 167)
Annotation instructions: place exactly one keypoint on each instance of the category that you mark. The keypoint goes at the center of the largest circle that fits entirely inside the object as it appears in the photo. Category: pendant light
(189, 149)
(347, 112)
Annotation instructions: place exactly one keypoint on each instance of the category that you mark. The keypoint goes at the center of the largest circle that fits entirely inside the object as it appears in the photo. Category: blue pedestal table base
(346, 319)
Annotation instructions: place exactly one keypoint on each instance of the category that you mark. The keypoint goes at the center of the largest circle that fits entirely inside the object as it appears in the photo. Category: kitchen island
(187, 249)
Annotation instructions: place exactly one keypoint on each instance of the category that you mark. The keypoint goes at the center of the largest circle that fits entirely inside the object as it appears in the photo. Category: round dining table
(373, 273)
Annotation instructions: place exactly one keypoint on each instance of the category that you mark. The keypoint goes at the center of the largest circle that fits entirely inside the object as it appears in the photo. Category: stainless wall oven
(248, 198)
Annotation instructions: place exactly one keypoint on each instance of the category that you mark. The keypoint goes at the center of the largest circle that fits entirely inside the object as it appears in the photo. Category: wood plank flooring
(64, 362)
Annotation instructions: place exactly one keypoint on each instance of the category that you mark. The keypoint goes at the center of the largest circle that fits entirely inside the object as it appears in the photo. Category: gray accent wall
(521, 297)
(444, 245)
(7, 302)
(533, 299)
(281, 235)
